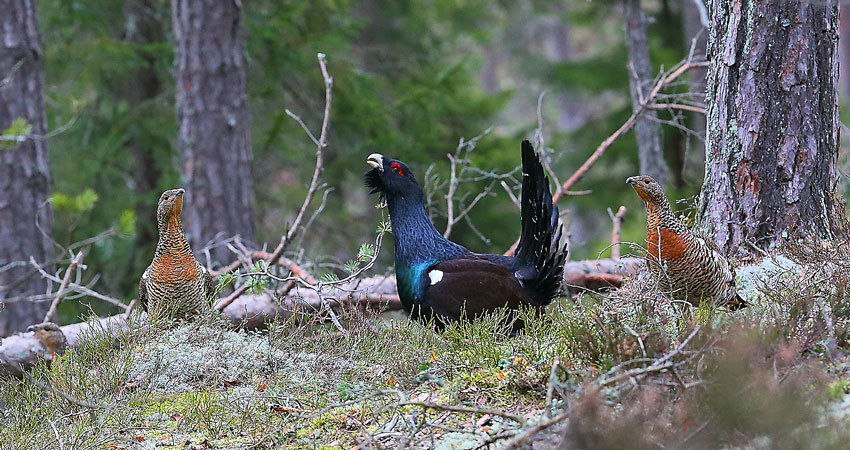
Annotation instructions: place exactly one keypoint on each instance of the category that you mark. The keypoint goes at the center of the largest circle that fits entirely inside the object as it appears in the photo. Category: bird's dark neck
(172, 239)
(414, 236)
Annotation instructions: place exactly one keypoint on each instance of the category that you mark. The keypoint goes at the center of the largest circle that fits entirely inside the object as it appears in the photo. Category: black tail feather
(539, 244)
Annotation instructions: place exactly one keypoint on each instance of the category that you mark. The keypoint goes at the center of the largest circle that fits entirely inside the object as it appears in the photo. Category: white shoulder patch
(435, 276)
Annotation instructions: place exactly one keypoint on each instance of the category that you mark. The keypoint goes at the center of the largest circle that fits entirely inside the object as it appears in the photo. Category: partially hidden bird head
(391, 178)
(44, 328)
(51, 336)
(648, 189)
(170, 205)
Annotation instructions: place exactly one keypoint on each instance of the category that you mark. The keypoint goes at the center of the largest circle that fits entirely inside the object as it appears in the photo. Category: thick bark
(647, 130)
(844, 51)
(255, 311)
(215, 134)
(772, 109)
(24, 170)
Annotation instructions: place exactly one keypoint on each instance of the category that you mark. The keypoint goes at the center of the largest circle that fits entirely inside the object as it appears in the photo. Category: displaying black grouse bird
(437, 277)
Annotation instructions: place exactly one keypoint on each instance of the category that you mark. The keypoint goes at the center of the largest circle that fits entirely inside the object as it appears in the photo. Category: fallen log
(23, 351)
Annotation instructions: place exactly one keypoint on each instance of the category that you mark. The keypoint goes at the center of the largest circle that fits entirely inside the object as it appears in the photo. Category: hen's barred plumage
(175, 285)
(685, 265)
(51, 337)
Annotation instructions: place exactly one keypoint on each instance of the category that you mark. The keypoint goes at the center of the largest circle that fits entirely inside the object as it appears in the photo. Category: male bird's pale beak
(376, 160)
(630, 180)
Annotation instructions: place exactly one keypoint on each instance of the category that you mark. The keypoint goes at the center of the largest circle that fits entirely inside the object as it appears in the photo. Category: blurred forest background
(411, 78)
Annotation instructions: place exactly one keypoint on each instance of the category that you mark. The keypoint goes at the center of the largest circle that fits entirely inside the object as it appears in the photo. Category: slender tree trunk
(24, 169)
(693, 13)
(215, 133)
(773, 122)
(143, 27)
(647, 130)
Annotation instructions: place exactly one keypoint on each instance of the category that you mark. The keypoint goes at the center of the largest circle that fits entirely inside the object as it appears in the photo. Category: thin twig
(321, 143)
(50, 316)
(533, 431)
(627, 125)
(617, 221)
(467, 409)
(47, 387)
(78, 288)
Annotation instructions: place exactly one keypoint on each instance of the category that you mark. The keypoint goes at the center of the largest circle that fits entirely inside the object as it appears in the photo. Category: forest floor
(623, 370)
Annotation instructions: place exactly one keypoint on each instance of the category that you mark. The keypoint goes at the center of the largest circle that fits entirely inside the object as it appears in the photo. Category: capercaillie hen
(175, 285)
(51, 337)
(685, 265)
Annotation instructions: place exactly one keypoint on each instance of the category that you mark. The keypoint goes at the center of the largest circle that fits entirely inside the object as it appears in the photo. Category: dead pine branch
(50, 316)
(649, 102)
(663, 82)
(462, 172)
(661, 364)
(616, 221)
(76, 287)
(321, 144)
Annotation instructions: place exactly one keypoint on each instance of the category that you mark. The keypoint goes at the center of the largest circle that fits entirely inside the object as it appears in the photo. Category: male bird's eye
(396, 168)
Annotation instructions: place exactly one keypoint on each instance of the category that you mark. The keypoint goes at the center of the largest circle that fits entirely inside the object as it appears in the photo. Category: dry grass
(629, 370)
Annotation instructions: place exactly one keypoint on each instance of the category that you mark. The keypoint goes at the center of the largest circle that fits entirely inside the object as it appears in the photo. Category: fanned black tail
(539, 253)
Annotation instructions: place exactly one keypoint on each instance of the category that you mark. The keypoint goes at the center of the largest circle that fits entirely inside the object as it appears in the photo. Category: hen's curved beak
(376, 160)
(181, 191)
(630, 180)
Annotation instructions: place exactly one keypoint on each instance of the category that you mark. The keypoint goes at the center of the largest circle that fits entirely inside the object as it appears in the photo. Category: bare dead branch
(663, 82)
(79, 288)
(50, 316)
(321, 143)
(617, 220)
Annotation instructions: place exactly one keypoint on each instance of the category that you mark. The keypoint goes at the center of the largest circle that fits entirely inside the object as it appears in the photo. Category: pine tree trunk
(697, 35)
(214, 123)
(24, 168)
(647, 130)
(772, 108)
(143, 28)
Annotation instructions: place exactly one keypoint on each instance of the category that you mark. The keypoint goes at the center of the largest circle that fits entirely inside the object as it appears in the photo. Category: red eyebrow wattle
(397, 167)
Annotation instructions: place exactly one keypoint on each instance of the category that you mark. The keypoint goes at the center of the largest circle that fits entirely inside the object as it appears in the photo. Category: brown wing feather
(143, 291)
(209, 285)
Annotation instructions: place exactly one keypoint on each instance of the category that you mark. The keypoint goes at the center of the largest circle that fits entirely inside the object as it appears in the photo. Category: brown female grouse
(175, 285)
(686, 266)
(51, 337)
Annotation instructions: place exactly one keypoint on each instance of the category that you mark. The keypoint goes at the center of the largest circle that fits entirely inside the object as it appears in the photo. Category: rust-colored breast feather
(687, 266)
(665, 244)
(171, 269)
(175, 285)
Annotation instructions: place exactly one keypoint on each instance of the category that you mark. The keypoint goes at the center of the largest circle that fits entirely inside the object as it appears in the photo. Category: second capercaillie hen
(175, 285)
(439, 278)
(685, 265)
(51, 337)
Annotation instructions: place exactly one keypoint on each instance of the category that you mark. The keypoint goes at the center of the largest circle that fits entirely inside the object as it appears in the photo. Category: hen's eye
(646, 181)
(396, 168)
